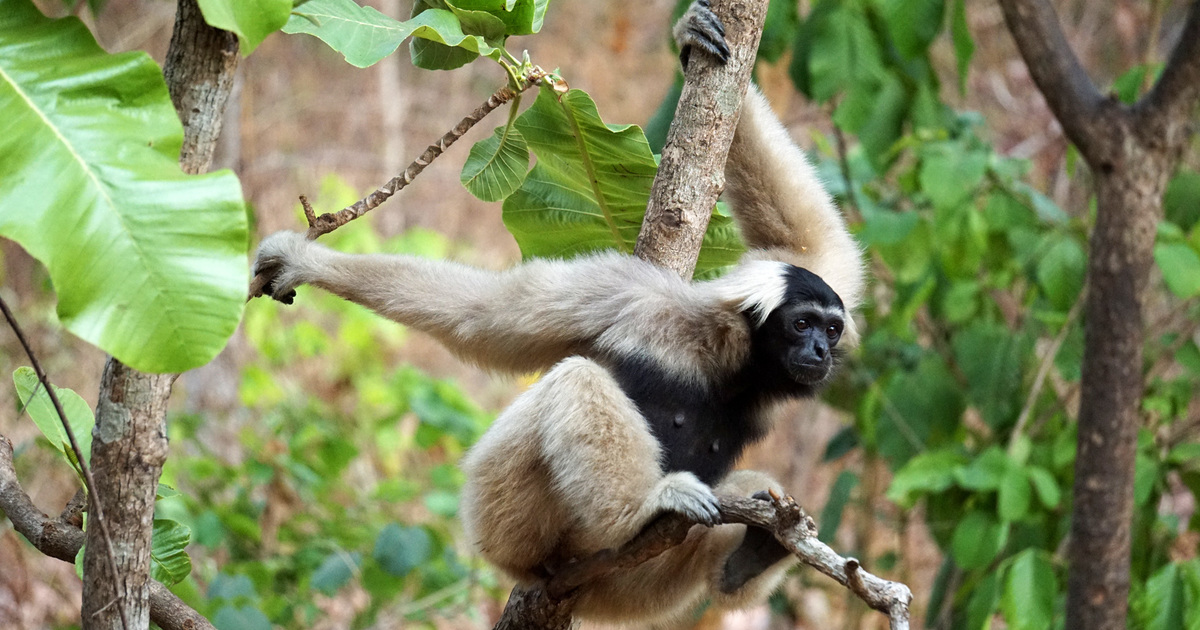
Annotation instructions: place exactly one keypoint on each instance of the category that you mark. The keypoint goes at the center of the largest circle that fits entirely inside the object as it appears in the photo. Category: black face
(801, 336)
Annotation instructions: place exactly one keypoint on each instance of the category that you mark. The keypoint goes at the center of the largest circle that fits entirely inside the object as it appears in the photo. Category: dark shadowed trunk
(129, 443)
(1132, 153)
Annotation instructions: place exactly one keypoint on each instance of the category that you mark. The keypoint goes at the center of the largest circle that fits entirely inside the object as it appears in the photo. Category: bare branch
(59, 538)
(1174, 96)
(88, 480)
(692, 173)
(1061, 78)
(549, 606)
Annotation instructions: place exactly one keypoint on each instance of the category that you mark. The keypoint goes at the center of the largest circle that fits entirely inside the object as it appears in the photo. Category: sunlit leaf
(36, 402)
(364, 35)
(497, 165)
(250, 20)
(589, 189)
(169, 561)
(1030, 592)
(148, 263)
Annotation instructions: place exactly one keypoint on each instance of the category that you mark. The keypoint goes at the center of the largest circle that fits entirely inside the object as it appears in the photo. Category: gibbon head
(798, 319)
(803, 331)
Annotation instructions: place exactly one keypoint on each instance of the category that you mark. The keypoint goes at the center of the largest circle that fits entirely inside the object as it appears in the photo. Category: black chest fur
(702, 429)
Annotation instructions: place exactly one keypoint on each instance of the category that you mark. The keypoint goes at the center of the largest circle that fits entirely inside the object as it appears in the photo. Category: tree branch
(1174, 96)
(692, 173)
(1060, 77)
(58, 538)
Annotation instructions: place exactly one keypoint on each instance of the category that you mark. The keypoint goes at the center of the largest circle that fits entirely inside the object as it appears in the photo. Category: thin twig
(328, 222)
(1044, 371)
(88, 481)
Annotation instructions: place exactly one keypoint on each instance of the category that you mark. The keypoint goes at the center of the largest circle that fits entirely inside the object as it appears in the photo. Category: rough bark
(1132, 152)
(130, 438)
(692, 173)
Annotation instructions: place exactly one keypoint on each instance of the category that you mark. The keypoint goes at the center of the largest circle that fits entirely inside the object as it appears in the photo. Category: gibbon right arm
(782, 207)
(523, 319)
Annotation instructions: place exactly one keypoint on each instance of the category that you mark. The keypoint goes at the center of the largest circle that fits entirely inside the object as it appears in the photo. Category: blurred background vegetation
(315, 459)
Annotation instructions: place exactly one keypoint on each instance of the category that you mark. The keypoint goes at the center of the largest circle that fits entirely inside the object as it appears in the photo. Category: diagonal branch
(58, 538)
(1059, 76)
(792, 527)
(1177, 91)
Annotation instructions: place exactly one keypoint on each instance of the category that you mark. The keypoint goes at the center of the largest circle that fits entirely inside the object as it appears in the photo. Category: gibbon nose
(819, 350)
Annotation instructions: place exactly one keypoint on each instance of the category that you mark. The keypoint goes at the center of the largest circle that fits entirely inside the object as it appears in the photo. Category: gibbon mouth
(808, 373)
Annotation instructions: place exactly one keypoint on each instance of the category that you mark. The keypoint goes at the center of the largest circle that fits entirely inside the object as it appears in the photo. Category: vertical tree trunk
(692, 173)
(130, 439)
(1119, 261)
(1132, 153)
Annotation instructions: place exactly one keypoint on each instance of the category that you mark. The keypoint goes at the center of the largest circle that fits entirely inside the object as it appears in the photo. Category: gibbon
(653, 386)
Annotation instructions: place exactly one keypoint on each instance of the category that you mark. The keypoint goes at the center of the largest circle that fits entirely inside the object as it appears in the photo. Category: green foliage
(250, 20)
(90, 185)
(446, 34)
(589, 188)
(36, 402)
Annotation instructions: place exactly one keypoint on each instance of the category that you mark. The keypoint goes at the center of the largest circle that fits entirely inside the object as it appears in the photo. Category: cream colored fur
(571, 467)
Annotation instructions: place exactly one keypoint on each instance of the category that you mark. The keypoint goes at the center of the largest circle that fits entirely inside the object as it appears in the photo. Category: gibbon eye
(833, 331)
(801, 325)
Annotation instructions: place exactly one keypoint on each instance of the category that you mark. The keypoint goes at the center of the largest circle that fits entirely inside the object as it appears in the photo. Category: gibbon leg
(604, 462)
(754, 562)
(569, 469)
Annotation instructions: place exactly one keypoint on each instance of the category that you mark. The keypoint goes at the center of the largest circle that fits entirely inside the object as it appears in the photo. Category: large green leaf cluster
(968, 376)
(148, 263)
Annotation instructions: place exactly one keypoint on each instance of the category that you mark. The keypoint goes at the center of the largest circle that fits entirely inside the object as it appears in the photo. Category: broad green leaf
(399, 549)
(523, 17)
(929, 472)
(590, 186)
(364, 35)
(984, 597)
(33, 398)
(1145, 476)
(1181, 202)
(986, 472)
(922, 411)
(840, 49)
(913, 24)
(497, 165)
(992, 358)
(335, 571)
(148, 263)
(950, 174)
(1161, 605)
(1045, 485)
(1180, 266)
(1014, 495)
(1060, 273)
(443, 503)
(169, 561)
(977, 539)
(1030, 592)
(250, 20)
(434, 53)
(839, 496)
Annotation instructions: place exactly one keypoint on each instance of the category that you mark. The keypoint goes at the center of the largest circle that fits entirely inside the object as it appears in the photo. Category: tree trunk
(1132, 153)
(692, 173)
(130, 439)
(1119, 261)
